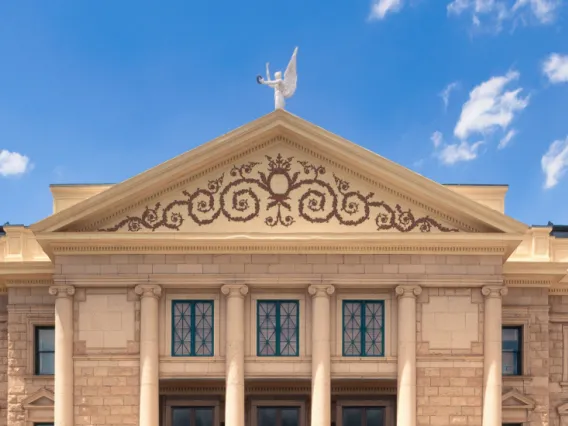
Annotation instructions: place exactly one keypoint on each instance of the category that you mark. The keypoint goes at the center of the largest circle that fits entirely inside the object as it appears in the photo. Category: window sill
(362, 359)
(46, 377)
(516, 380)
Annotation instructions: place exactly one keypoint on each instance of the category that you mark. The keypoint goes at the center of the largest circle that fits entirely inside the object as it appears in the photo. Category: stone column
(235, 355)
(149, 357)
(63, 395)
(492, 355)
(321, 354)
(406, 394)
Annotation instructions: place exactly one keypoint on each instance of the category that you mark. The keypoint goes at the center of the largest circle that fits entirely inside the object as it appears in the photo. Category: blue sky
(96, 92)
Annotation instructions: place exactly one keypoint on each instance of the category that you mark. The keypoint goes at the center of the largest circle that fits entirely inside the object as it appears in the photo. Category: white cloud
(380, 8)
(13, 163)
(463, 151)
(555, 67)
(555, 162)
(490, 107)
(445, 94)
(437, 138)
(498, 11)
(507, 139)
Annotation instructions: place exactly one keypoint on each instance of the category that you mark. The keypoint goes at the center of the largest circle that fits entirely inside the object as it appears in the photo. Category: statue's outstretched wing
(290, 77)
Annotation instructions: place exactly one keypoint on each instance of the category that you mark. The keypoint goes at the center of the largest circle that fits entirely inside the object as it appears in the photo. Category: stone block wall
(107, 392)
(395, 265)
(529, 307)
(27, 306)
(558, 346)
(3, 359)
(449, 372)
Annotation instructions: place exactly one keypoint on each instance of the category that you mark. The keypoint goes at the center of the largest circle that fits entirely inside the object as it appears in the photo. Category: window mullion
(363, 329)
(192, 329)
(277, 330)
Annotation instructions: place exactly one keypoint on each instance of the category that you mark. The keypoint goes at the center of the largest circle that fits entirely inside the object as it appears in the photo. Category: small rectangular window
(512, 350)
(363, 328)
(192, 328)
(277, 327)
(44, 342)
(43, 424)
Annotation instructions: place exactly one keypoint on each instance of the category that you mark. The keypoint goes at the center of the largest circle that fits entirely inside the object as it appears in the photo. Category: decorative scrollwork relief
(293, 190)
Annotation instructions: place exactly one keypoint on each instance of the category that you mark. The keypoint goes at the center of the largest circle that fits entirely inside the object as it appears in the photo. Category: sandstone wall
(558, 345)
(449, 356)
(27, 307)
(529, 307)
(3, 359)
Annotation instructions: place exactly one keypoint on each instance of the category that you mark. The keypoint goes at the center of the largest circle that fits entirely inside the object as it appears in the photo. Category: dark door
(363, 416)
(278, 416)
(192, 416)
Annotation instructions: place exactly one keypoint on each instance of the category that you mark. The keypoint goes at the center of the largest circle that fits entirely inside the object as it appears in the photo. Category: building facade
(282, 276)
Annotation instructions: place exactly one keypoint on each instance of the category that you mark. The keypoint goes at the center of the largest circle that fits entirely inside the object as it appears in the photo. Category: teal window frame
(192, 331)
(38, 352)
(517, 351)
(277, 351)
(363, 328)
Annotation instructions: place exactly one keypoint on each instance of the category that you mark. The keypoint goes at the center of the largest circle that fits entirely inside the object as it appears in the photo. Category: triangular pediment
(279, 175)
(40, 399)
(513, 399)
(281, 189)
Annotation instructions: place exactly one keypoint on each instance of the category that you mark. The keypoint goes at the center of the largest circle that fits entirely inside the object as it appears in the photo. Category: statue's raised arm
(285, 87)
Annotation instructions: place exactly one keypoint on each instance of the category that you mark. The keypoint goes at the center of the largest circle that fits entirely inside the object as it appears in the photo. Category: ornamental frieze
(279, 192)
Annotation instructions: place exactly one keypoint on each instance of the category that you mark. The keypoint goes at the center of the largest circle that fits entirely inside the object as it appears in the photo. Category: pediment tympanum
(40, 399)
(277, 190)
(513, 399)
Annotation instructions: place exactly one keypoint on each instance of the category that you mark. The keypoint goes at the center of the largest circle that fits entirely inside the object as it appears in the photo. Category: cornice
(558, 291)
(66, 243)
(26, 268)
(274, 388)
(271, 280)
(29, 282)
(542, 269)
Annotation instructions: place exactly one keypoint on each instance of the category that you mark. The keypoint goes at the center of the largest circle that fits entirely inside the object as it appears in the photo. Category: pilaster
(235, 354)
(149, 357)
(321, 354)
(406, 395)
(63, 377)
(492, 355)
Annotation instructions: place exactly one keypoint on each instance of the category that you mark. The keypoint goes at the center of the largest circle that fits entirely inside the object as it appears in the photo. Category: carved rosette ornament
(148, 290)
(235, 290)
(321, 290)
(408, 291)
(494, 291)
(287, 190)
(62, 291)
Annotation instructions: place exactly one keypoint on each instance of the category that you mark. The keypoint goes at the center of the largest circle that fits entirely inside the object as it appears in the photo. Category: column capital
(408, 291)
(235, 290)
(148, 290)
(62, 291)
(490, 291)
(321, 290)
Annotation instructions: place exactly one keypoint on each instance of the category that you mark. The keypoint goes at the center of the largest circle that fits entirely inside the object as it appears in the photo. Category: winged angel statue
(285, 87)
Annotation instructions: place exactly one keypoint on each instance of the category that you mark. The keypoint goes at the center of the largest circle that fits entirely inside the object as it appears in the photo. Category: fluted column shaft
(406, 394)
(492, 355)
(63, 410)
(235, 355)
(321, 354)
(149, 357)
